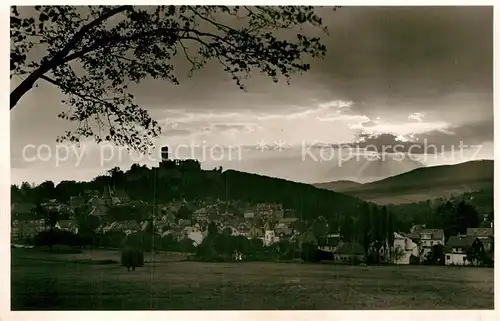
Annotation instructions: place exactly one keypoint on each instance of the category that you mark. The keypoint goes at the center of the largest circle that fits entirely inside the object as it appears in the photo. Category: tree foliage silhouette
(95, 52)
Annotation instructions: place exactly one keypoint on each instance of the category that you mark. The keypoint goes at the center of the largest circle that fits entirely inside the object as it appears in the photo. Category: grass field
(58, 282)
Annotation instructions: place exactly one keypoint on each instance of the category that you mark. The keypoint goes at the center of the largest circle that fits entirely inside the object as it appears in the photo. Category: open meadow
(78, 282)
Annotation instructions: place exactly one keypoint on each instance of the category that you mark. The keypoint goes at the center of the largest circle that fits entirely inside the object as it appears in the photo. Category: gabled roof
(417, 228)
(412, 236)
(461, 241)
(201, 211)
(129, 224)
(331, 240)
(67, 223)
(106, 194)
(350, 248)
(485, 231)
(99, 210)
(436, 234)
(400, 235)
(256, 232)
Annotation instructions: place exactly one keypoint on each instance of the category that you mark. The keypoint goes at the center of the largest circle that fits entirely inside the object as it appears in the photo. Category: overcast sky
(414, 74)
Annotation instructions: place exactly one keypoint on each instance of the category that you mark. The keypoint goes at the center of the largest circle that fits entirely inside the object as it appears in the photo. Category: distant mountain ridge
(338, 186)
(422, 183)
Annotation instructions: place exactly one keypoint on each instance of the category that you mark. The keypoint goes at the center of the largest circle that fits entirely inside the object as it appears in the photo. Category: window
(448, 257)
(432, 243)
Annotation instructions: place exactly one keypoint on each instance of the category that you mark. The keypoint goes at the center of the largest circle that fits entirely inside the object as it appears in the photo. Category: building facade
(462, 250)
(407, 247)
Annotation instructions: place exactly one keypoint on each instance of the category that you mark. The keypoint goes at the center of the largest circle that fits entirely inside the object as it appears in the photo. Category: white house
(270, 237)
(457, 247)
(485, 235)
(407, 245)
(196, 236)
(427, 238)
(330, 242)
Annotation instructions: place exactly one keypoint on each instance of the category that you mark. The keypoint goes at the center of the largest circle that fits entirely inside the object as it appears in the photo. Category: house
(426, 238)
(22, 209)
(27, 228)
(184, 222)
(249, 215)
(283, 232)
(330, 242)
(196, 236)
(76, 202)
(270, 211)
(106, 197)
(99, 210)
(243, 228)
(278, 212)
(129, 226)
(349, 252)
(431, 237)
(485, 235)
(201, 215)
(67, 225)
(177, 235)
(167, 217)
(458, 247)
(234, 230)
(270, 237)
(286, 222)
(407, 246)
(256, 232)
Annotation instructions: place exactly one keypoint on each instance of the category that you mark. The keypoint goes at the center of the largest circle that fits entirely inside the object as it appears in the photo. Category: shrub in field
(132, 258)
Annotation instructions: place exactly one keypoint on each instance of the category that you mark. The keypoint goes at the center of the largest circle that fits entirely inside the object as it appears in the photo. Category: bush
(309, 252)
(487, 260)
(356, 260)
(414, 260)
(132, 257)
(52, 237)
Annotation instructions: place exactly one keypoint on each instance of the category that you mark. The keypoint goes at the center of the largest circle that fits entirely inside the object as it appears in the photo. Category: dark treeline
(454, 215)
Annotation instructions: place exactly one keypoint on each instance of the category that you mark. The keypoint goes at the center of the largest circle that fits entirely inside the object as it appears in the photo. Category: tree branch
(28, 83)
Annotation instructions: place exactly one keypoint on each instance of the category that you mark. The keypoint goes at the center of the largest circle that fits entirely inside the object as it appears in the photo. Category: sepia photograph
(208, 157)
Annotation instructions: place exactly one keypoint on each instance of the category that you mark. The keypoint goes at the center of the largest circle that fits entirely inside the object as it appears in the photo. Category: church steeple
(107, 195)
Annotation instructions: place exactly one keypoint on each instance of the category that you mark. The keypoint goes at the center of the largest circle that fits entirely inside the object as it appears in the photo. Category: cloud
(466, 134)
(176, 132)
(416, 116)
